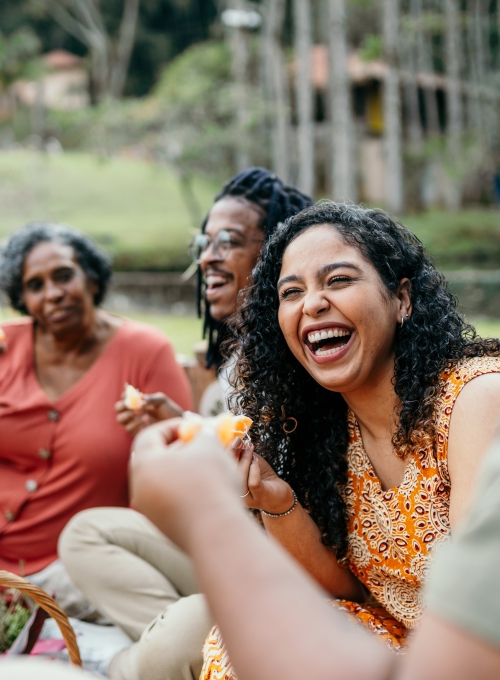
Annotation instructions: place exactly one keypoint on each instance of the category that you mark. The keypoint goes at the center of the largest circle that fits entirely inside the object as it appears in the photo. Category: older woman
(374, 402)
(61, 449)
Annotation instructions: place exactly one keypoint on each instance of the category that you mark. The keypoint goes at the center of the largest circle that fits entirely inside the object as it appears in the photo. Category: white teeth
(324, 335)
(325, 352)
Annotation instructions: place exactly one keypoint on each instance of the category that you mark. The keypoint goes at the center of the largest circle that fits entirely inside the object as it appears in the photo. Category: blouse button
(9, 516)
(53, 415)
(44, 454)
(31, 485)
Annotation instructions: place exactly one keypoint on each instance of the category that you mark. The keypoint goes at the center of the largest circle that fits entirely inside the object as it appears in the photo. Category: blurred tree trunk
(124, 47)
(238, 42)
(276, 85)
(425, 65)
(498, 36)
(392, 108)
(479, 20)
(109, 58)
(304, 95)
(474, 108)
(343, 160)
(453, 94)
(408, 48)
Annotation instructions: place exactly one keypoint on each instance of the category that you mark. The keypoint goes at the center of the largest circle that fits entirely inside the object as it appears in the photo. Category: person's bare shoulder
(473, 425)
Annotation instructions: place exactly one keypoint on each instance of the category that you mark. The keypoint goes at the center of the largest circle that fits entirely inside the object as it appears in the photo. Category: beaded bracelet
(283, 514)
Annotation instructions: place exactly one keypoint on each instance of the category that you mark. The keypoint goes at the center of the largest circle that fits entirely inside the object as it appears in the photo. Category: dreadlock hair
(276, 202)
(271, 385)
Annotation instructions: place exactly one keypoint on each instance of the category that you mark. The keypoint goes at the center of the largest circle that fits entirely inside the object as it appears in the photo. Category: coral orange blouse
(60, 457)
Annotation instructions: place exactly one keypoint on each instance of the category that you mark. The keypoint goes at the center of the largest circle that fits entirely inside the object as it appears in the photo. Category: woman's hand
(157, 407)
(266, 490)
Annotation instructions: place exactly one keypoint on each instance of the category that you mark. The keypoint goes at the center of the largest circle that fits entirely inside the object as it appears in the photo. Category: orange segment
(230, 427)
(133, 398)
(225, 425)
(2, 334)
(190, 426)
(241, 425)
(188, 431)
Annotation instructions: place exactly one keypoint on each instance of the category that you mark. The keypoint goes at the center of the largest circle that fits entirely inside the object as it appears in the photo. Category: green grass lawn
(467, 238)
(183, 331)
(134, 209)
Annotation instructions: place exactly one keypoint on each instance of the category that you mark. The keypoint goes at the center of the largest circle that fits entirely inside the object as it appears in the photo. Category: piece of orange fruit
(190, 426)
(230, 426)
(133, 398)
(2, 334)
(225, 425)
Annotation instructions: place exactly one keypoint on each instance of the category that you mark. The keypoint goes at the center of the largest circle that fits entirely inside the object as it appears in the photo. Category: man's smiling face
(226, 277)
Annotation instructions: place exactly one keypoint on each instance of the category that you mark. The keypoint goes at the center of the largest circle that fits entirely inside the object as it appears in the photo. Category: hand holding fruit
(135, 410)
(266, 490)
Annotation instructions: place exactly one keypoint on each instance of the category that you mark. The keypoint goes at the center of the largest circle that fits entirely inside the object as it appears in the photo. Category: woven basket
(8, 580)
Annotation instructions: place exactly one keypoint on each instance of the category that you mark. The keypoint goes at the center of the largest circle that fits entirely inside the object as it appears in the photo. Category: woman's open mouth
(328, 342)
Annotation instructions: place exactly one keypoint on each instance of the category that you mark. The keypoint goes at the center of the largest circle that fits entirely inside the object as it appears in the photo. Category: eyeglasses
(221, 245)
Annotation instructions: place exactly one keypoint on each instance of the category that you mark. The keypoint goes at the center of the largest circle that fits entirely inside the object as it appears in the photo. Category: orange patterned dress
(393, 532)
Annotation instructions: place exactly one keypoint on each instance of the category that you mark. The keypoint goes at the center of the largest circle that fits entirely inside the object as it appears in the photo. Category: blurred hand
(267, 491)
(157, 407)
(173, 484)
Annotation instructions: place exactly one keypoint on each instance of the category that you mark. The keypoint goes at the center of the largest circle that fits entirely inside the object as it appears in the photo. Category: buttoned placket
(36, 478)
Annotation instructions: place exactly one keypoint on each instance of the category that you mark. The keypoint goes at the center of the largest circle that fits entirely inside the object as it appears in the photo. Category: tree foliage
(165, 28)
(16, 53)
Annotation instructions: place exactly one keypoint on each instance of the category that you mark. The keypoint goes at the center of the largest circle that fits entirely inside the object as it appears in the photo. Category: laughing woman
(374, 402)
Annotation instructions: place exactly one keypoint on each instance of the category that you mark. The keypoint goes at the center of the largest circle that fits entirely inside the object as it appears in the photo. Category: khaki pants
(144, 584)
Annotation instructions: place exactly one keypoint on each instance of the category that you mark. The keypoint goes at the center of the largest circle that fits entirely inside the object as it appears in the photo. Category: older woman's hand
(266, 490)
(157, 407)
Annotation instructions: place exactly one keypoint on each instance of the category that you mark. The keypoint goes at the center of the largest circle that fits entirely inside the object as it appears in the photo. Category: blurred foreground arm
(275, 620)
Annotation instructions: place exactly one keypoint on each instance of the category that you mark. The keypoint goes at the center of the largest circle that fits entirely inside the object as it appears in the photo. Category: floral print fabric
(392, 533)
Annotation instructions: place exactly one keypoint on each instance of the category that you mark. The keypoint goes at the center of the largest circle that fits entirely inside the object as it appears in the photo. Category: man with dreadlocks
(244, 214)
(122, 563)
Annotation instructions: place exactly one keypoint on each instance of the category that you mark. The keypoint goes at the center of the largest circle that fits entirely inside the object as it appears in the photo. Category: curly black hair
(96, 264)
(275, 201)
(271, 386)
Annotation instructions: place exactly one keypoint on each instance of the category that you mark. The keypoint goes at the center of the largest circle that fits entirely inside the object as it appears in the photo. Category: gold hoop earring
(293, 428)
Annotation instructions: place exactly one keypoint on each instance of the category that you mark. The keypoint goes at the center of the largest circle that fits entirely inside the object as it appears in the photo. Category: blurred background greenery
(135, 210)
(130, 141)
